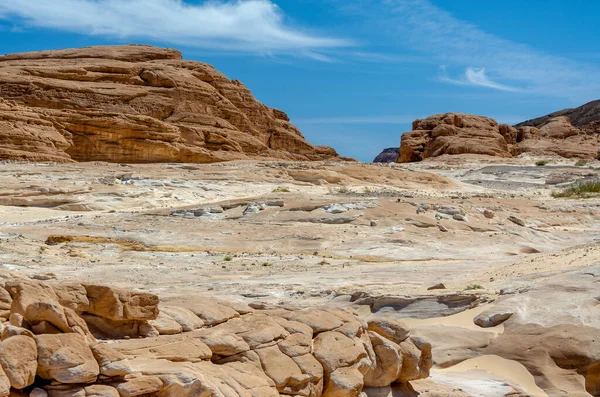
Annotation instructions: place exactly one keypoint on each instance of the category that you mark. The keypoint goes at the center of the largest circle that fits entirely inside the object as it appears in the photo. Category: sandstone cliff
(136, 104)
(455, 133)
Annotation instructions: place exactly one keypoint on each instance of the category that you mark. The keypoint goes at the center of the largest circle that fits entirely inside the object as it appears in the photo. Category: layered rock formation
(136, 104)
(455, 133)
(191, 347)
(389, 155)
(581, 116)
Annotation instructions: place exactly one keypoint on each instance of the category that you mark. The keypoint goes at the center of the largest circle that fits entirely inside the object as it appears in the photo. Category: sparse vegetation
(324, 262)
(581, 163)
(267, 264)
(340, 190)
(281, 190)
(580, 190)
(473, 287)
(228, 258)
(541, 163)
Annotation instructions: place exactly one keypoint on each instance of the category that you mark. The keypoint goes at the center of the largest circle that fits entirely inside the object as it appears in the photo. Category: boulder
(37, 302)
(142, 386)
(166, 325)
(66, 358)
(492, 318)
(118, 304)
(184, 317)
(387, 363)
(112, 363)
(18, 358)
(416, 360)
(391, 329)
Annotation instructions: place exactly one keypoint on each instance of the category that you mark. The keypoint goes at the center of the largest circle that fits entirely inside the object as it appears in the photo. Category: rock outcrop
(192, 347)
(136, 104)
(389, 155)
(581, 116)
(455, 133)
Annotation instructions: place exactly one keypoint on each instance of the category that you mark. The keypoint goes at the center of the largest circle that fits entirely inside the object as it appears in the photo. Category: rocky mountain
(136, 104)
(581, 116)
(455, 133)
(389, 155)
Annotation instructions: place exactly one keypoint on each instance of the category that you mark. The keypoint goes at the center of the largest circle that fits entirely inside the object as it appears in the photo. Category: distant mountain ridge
(580, 116)
(389, 155)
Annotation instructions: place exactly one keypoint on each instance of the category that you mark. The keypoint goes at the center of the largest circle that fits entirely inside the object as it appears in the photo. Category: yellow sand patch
(507, 369)
(462, 319)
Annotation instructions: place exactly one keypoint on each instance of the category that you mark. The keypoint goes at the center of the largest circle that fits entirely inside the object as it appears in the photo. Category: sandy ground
(326, 232)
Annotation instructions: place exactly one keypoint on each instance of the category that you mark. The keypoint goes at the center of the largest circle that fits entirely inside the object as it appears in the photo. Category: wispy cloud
(474, 77)
(242, 25)
(420, 26)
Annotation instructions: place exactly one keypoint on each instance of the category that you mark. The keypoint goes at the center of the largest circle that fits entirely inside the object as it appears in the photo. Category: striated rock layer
(456, 133)
(196, 346)
(136, 104)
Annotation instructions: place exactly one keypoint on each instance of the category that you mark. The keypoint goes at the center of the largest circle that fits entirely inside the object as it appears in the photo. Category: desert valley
(163, 233)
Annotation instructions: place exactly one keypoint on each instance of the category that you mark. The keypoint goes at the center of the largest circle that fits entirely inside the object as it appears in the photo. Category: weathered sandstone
(229, 349)
(136, 104)
(456, 133)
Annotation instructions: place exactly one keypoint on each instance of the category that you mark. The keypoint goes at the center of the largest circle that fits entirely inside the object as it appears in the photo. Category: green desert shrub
(581, 163)
(281, 190)
(579, 190)
(541, 163)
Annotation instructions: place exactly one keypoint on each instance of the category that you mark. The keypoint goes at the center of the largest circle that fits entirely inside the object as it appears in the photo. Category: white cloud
(474, 77)
(242, 25)
(420, 26)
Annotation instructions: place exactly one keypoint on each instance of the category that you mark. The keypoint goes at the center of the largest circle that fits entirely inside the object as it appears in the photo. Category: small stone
(335, 208)
(492, 319)
(516, 221)
(488, 214)
(252, 208)
(437, 286)
(374, 223)
(442, 228)
(459, 217)
(37, 392)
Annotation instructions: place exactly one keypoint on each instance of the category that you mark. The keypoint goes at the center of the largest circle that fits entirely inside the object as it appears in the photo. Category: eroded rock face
(196, 347)
(455, 133)
(136, 104)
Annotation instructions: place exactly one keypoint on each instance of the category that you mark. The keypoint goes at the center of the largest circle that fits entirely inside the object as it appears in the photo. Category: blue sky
(352, 74)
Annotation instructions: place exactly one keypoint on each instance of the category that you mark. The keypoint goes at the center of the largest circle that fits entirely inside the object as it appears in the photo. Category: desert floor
(373, 238)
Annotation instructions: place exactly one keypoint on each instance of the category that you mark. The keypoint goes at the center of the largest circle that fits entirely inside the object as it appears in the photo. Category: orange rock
(455, 133)
(136, 104)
